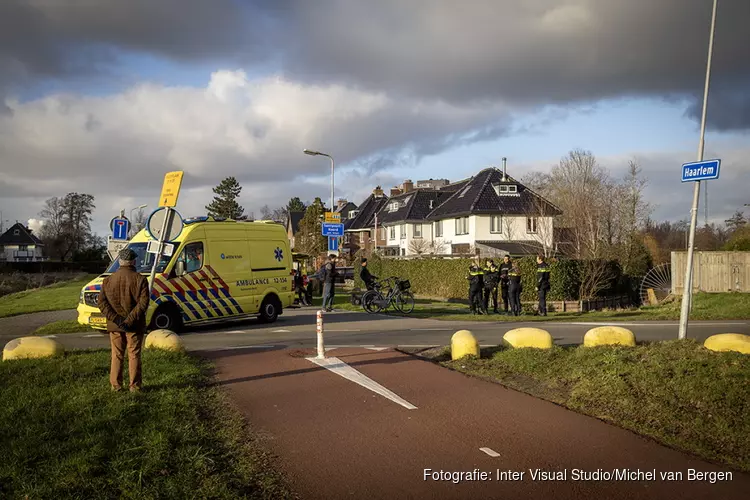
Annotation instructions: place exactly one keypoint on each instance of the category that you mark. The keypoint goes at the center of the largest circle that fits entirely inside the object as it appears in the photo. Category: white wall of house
(21, 253)
(513, 228)
(407, 236)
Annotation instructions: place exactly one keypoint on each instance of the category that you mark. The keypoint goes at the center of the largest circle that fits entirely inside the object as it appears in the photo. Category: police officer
(514, 289)
(491, 278)
(543, 284)
(476, 282)
(505, 268)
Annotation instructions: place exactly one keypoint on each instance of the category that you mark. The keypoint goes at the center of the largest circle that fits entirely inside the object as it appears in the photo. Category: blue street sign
(333, 229)
(120, 228)
(333, 244)
(701, 170)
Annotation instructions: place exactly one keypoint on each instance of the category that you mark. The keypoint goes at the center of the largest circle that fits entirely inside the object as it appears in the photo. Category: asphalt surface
(297, 328)
(337, 439)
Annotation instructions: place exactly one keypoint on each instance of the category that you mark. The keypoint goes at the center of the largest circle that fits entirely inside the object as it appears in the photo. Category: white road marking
(377, 348)
(239, 347)
(94, 335)
(50, 336)
(617, 323)
(340, 368)
(490, 452)
(235, 331)
(281, 331)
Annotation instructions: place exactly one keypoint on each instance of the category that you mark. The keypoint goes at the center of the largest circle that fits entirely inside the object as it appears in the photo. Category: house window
(392, 232)
(513, 189)
(439, 229)
(417, 230)
(402, 230)
(16, 232)
(23, 248)
(496, 224)
(531, 224)
(462, 225)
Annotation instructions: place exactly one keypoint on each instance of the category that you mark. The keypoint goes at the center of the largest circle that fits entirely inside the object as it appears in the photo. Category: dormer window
(393, 206)
(353, 213)
(505, 189)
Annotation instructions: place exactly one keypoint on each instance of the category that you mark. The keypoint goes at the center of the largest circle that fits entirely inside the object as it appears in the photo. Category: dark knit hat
(127, 254)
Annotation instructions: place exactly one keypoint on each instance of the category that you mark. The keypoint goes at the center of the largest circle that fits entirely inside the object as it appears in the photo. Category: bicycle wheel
(371, 301)
(405, 302)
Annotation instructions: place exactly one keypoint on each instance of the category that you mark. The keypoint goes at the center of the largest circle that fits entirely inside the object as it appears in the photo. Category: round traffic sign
(112, 222)
(155, 224)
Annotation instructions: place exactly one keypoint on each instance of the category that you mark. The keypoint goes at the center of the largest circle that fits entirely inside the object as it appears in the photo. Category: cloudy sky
(105, 96)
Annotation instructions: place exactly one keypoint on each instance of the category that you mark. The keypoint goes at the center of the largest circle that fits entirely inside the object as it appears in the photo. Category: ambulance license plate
(98, 320)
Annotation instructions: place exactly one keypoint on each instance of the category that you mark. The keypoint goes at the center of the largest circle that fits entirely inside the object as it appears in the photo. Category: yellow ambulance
(218, 270)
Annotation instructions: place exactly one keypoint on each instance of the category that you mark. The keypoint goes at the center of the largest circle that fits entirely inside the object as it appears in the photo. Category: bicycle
(398, 296)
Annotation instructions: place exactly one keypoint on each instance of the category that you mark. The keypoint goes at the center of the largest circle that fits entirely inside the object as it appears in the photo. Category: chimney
(395, 191)
(505, 176)
(341, 202)
(377, 192)
(407, 186)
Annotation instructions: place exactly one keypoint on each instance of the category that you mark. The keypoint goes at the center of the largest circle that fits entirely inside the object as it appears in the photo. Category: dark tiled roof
(415, 206)
(365, 219)
(478, 196)
(514, 247)
(294, 219)
(455, 186)
(24, 236)
(344, 211)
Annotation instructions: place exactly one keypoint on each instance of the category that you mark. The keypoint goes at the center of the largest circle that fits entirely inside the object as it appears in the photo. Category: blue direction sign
(333, 229)
(333, 244)
(120, 228)
(701, 170)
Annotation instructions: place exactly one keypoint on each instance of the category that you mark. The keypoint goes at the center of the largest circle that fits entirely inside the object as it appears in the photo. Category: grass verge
(706, 306)
(57, 297)
(65, 435)
(64, 326)
(675, 392)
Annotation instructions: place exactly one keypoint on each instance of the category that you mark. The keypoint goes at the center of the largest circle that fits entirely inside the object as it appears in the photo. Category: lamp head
(311, 153)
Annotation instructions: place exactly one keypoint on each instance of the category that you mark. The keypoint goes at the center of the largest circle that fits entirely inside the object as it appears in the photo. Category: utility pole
(687, 293)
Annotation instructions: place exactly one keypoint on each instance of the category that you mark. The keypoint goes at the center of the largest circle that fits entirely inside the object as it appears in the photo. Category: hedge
(446, 278)
(96, 267)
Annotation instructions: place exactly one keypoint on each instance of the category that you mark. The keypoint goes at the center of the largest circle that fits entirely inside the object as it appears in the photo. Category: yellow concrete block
(528, 337)
(164, 339)
(728, 342)
(609, 335)
(463, 344)
(32, 347)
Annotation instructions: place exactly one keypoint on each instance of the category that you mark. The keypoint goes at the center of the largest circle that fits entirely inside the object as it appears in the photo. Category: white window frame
(496, 228)
(439, 229)
(402, 231)
(513, 189)
(417, 230)
(532, 225)
(392, 233)
(462, 226)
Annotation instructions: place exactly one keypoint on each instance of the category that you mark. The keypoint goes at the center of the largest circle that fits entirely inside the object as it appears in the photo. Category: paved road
(297, 328)
(17, 326)
(338, 439)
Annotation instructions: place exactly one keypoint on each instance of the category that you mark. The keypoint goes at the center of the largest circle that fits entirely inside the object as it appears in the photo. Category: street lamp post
(687, 293)
(318, 153)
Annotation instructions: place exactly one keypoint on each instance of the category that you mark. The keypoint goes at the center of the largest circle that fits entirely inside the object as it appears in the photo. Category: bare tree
(595, 276)
(266, 213)
(67, 224)
(437, 247)
(419, 246)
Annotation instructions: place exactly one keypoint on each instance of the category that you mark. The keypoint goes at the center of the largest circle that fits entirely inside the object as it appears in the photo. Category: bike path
(337, 439)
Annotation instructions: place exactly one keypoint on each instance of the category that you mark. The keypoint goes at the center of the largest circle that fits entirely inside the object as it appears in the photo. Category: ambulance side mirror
(179, 268)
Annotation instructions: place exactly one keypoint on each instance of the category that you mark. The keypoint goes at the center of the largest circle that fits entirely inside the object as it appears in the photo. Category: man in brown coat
(124, 300)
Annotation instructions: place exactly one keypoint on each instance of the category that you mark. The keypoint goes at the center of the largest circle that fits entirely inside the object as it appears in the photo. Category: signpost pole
(687, 293)
(157, 256)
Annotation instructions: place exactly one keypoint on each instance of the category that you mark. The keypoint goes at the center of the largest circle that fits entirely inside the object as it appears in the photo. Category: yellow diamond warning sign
(171, 189)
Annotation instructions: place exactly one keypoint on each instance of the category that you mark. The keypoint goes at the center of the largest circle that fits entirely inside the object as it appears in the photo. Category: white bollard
(321, 350)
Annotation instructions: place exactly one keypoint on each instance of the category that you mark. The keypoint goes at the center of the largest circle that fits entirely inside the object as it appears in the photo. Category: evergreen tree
(309, 238)
(295, 205)
(225, 203)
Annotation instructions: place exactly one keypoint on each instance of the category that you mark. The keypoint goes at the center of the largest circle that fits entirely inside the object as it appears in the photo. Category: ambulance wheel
(167, 318)
(269, 309)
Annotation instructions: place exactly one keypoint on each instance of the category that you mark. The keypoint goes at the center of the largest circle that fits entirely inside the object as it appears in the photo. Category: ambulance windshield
(143, 262)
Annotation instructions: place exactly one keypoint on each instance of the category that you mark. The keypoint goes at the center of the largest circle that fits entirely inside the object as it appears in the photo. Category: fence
(713, 272)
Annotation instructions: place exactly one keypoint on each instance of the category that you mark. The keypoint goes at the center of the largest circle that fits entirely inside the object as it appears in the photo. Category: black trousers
(515, 300)
(475, 298)
(490, 292)
(506, 297)
(542, 300)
